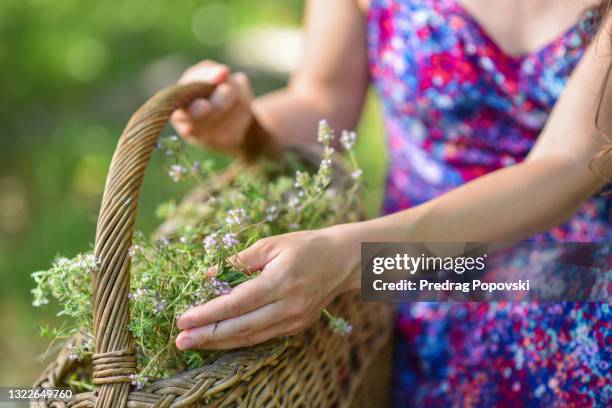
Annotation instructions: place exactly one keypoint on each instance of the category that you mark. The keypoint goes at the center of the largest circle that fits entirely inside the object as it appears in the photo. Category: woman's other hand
(221, 121)
(301, 273)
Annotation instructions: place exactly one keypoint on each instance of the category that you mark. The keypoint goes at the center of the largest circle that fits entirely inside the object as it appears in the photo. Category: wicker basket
(314, 369)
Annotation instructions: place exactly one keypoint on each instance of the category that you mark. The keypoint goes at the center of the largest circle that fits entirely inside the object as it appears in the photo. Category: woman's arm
(331, 83)
(303, 271)
(332, 80)
(546, 189)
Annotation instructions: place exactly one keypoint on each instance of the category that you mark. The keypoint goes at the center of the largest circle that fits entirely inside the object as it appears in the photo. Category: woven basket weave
(314, 369)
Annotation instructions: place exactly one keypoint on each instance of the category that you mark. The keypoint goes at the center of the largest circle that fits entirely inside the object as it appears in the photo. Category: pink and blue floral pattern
(457, 107)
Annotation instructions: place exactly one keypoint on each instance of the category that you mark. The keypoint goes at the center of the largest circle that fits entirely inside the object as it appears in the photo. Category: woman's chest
(432, 58)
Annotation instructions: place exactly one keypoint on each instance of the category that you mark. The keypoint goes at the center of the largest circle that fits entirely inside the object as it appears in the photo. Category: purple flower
(230, 240)
(220, 287)
(138, 382)
(340, 326)
(210, 242)
(160, 306)
(162, 243)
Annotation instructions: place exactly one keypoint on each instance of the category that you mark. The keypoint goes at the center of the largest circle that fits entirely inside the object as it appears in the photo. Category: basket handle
(115, 358)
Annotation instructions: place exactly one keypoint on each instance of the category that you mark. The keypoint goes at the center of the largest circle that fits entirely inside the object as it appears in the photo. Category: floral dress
(456, 107)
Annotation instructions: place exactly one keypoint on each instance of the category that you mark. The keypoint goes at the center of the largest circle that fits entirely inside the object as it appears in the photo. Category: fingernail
(198, 108)
(182, 322)
(183, 341)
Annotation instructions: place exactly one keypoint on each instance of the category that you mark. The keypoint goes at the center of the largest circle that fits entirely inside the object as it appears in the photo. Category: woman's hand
(221, 121)
(301, 273)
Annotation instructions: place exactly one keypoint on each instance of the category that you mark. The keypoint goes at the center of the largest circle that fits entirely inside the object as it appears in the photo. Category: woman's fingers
(227, 335)
(223, 98)
(222, 111)
(257, 256)
(244, 298)
(221, 120)
(205, 71)
(200, 109)
(245, 326)
(274, 331)
(197, 109)
(244, 87)
(253, 258)
(229, 125)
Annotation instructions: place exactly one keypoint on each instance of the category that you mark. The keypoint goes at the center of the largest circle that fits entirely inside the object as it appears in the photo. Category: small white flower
(62, 263)
(73, 353)
(357, 174)
(325, 133)
(325, 164)
(331, 193)
(302, 179)
(134, 251)
(271, 213)
(348, 139)
(139, 293)
(235, 216)
(196, 167)
(293, 201)
(177, 172)
(294, 226)
(40, 301)
(172, 144)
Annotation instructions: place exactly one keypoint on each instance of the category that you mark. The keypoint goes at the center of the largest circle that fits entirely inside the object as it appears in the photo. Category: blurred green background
(71, 74)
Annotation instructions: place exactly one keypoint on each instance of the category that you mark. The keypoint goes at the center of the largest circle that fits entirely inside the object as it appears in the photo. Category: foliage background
(71, 74)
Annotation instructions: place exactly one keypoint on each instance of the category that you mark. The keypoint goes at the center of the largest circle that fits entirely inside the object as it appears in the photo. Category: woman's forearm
(331, 82)
(507, 205)
(290, 116)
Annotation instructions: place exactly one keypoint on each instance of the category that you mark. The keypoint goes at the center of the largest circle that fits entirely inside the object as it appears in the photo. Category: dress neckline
(488, 38)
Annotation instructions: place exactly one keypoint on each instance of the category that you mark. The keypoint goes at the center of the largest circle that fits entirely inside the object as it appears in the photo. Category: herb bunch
(169, 274)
